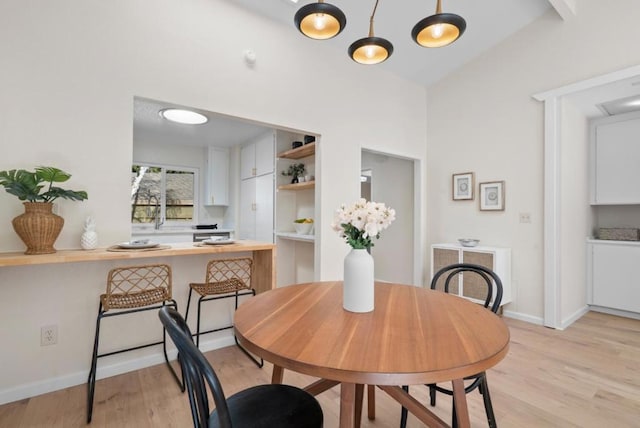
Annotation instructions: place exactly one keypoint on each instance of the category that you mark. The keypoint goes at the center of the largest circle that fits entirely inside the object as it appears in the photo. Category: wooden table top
(99, 254)
(413, 336)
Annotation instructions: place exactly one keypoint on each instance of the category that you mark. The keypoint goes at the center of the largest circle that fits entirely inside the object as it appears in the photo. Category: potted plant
(38, 227)
(295, 170)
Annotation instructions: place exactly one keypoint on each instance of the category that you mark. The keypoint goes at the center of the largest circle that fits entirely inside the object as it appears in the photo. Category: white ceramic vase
(358, 289)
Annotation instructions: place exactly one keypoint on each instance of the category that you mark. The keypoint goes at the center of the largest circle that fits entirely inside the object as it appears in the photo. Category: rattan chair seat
(134, 300)
(227, 286)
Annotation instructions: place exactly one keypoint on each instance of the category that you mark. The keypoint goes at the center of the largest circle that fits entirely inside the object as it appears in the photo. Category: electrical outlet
(48, 335)
(525, 218)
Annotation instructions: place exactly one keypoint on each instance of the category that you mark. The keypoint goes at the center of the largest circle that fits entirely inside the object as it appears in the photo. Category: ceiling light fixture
(320, 20)
(371, 49)
(438, 30)
(186, 117)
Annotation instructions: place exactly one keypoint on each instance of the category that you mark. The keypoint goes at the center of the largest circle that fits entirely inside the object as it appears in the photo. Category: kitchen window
(162, 194)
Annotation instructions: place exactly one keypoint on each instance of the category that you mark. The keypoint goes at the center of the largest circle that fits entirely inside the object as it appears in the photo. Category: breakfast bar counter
(263, 256)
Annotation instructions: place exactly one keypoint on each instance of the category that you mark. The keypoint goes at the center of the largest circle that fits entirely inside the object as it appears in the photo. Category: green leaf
(29, 186)
(57, 192)
(51, 174)
(23, 184)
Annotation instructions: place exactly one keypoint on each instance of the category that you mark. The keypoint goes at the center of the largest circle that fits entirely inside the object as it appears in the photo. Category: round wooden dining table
(413, 336)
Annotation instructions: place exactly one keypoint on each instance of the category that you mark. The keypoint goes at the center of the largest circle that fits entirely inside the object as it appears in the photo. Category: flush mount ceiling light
(320, 20)
(438, 30)
(371, 49)
(186, 117)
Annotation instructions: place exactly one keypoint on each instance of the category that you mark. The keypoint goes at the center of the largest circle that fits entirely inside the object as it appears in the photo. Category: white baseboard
(573, 317)
(618, 312)
(54, 384)
(523, 317)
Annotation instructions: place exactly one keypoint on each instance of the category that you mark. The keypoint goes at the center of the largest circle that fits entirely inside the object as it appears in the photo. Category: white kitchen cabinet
(615, 156)
(256, 208)
(257, 157)
(217, 177)
(612, 277)
(497, 259)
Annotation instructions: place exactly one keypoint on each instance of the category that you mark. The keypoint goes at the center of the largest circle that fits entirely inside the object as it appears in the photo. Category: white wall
(71, 69)
(482, 118)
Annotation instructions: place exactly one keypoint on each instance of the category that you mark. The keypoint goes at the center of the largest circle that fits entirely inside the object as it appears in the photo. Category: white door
(264, 154)
(247, 209)
(264, 208)
(247, 161)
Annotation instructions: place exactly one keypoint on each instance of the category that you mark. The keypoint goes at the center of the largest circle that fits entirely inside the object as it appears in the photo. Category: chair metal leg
(197, 334)
(198, 323)
(260, 363)
(403, 413)
(91, 381)
(432, 395)
(251, 357)
(486, 397)
(180, 382)
(186, 314)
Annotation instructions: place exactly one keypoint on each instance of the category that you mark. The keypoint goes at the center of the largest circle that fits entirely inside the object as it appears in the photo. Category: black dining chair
(263, 406)
(485, 277)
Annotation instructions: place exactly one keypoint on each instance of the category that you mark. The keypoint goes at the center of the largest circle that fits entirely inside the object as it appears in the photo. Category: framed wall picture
(463, 186)
(492, 196)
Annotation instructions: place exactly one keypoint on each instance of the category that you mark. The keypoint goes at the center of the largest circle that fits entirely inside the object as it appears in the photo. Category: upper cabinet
(615, 160)
(217, 177)
(257, 158)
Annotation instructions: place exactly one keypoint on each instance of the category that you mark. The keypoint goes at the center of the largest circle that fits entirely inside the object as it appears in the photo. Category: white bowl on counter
(468, 242)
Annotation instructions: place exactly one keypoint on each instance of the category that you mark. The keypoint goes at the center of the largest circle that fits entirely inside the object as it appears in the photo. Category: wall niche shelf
(299, 152)
(295, 236)
(298, 186)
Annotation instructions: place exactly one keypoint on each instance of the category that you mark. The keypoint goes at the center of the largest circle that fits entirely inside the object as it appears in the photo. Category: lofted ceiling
(488, 23)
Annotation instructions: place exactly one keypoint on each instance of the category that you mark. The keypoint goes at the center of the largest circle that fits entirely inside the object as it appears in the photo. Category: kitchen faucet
(159, 221)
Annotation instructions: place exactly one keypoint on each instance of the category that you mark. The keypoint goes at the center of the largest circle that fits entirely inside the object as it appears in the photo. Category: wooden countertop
(99, 254)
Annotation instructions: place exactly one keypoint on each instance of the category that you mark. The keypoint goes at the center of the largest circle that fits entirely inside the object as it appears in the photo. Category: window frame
(163, 194)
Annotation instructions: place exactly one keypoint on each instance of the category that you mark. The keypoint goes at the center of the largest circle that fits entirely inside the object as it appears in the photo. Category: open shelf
(298, 186)
(299, 152)
(295, 236)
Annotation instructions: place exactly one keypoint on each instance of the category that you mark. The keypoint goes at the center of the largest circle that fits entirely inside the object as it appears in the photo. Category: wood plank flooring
(585, 376)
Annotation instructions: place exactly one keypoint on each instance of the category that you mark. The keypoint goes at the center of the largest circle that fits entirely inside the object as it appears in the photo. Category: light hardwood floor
(585, 376)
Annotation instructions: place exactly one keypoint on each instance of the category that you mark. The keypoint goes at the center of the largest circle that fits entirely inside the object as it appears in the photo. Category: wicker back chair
(225, 278)
(132, 289)
(274, 405)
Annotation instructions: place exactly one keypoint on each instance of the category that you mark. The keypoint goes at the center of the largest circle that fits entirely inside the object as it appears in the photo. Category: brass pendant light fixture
(438, 30)
(320, 20)
(371, 49)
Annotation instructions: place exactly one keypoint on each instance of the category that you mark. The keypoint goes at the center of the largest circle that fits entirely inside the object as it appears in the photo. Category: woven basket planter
(38, 227)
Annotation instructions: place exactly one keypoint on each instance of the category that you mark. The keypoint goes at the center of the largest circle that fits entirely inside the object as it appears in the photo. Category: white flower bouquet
(362, 221)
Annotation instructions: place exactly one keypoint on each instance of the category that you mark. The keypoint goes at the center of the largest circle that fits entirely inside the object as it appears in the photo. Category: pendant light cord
(371, 20)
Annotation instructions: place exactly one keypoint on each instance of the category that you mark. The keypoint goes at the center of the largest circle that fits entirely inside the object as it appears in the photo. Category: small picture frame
(492, 196)
(463, 185)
